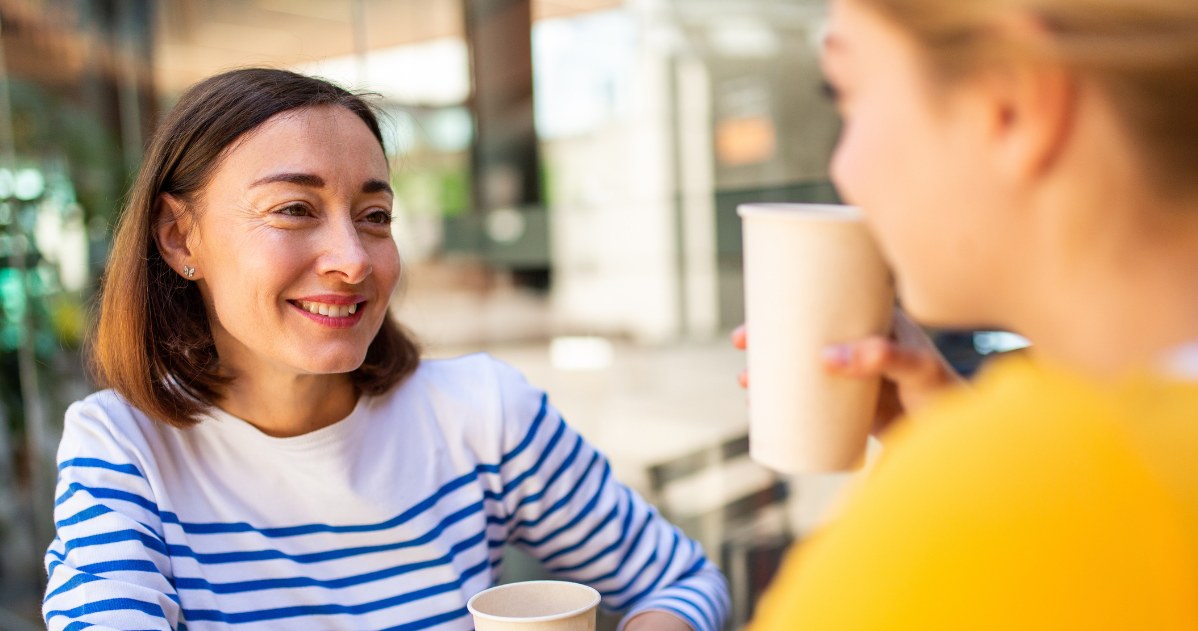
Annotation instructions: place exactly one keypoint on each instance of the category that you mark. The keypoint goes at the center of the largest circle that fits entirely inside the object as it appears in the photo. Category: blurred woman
(272, 452)
(1028, 165)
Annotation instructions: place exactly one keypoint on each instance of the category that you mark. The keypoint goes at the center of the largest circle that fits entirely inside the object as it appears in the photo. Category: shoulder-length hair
(153, 344)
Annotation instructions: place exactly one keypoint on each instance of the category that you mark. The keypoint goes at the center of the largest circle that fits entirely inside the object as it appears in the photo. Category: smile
(332, 311)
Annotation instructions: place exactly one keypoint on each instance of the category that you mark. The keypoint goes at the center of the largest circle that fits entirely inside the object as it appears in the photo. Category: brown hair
(1142, 53)
(153, 344)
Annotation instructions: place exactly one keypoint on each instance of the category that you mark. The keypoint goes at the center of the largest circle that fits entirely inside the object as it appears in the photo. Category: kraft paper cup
(813, 277)
(535, 606)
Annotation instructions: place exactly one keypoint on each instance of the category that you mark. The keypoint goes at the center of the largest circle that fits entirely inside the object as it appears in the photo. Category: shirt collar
(1182, 362)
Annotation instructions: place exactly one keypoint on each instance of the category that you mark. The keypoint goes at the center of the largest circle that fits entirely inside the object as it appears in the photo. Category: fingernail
(836, 355)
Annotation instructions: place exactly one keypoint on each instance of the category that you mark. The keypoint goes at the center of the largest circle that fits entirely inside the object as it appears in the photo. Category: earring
(189, 271)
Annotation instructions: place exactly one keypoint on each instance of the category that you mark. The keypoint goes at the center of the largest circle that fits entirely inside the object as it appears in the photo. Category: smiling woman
(164, 358)
(272, 232)
(272, 450)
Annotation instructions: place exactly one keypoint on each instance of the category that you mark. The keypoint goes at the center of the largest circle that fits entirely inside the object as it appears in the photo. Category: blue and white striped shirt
(389, 519)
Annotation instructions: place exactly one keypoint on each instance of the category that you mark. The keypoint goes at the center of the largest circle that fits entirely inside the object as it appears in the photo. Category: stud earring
(189, 271)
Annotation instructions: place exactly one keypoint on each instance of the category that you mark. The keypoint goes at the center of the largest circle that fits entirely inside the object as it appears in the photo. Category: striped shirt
(388, 519)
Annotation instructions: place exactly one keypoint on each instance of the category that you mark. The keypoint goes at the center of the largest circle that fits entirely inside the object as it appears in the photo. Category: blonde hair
(1143, 54)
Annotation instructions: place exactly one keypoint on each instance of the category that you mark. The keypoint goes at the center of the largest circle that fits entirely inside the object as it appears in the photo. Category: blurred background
(567, 174)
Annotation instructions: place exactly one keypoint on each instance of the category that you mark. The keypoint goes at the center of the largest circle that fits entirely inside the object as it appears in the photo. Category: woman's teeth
(332, 311)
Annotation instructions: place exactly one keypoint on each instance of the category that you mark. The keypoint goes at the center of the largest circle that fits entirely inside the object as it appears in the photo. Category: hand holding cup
(912, 371)
(813, 277)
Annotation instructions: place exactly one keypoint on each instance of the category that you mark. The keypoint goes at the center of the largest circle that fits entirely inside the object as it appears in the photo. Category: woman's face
(293, 247)
(913, 156)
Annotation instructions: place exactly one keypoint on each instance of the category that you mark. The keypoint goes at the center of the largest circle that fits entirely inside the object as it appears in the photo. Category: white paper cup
(535, 606)
(813, 277)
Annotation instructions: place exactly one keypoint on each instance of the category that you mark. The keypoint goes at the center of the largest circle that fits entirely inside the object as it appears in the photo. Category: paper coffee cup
(813, 277)
(535, 606)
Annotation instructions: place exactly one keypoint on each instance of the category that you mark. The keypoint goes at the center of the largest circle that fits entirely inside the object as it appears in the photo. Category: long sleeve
(564, 507)
(108, 565)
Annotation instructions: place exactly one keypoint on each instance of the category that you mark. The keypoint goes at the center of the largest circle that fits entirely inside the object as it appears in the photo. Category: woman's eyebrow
(302, 179)
(315, 181)
(376, 186)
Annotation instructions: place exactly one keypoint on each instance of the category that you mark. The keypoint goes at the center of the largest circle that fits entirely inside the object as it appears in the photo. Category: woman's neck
(1106, 267)
(1119, 333)
(290, 405)
(1115, 298)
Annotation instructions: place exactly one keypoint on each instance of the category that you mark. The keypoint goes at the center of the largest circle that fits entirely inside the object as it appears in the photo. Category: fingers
(890, 406)
(740, 338)
(909, 334)
(878, 356)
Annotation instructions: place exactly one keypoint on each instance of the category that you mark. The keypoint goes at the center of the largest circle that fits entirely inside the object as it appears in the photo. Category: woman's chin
(939, 314)
(334, 365)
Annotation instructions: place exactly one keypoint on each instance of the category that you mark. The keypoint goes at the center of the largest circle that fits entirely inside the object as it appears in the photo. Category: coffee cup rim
(798, 210)
(549, 618)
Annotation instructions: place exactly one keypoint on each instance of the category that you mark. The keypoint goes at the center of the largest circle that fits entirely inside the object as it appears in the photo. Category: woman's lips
(327, 309)
(342, 313)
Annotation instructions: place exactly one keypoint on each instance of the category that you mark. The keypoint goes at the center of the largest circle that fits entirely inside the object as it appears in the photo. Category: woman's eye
(379, 216)
(294, 210)
(829, 91)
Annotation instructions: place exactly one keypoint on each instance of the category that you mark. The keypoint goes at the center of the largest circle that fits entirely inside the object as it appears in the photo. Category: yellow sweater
(1036, 501)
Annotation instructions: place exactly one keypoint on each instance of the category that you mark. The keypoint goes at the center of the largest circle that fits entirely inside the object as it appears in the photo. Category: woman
(1026, 164)
(272, 452)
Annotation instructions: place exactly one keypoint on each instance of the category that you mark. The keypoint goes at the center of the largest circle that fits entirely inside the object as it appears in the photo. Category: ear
(1034, 106)
(173, 226)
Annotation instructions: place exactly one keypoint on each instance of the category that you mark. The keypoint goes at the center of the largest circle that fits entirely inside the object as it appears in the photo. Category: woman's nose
(344, 254)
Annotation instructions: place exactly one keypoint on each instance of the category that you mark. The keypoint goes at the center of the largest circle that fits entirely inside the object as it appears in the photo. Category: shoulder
(107, 415)
(482, 399)
(1028, 449)
(1024, 431)
(1023, 490)
(104, 432)
(465, 370)
(1015, 413)
(478, 378)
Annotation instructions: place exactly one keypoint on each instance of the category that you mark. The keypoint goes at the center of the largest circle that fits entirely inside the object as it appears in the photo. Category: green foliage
(455, 192)
(79, 151)
(52, 128)
(434, 189)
